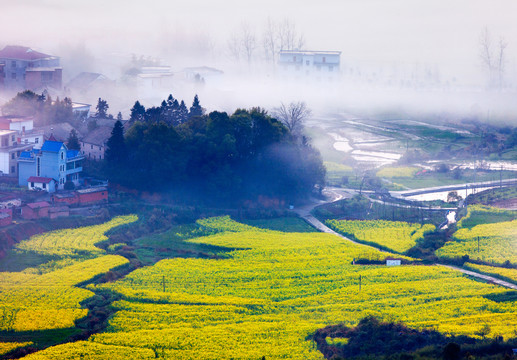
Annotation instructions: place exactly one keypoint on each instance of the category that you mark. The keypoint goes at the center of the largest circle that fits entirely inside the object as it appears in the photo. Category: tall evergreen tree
(183, 114)
(102, 108)
(137, 112)
(196, 109)
(73, 141)
(116, 147)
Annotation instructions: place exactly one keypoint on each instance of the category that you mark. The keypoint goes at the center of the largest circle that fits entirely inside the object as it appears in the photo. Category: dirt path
(304, 213)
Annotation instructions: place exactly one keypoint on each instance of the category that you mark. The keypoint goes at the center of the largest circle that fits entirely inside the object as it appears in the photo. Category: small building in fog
(25, 68)
(93, 145)
(309, 65)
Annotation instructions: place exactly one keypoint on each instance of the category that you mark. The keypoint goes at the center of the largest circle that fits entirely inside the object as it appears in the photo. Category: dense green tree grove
(218, 157)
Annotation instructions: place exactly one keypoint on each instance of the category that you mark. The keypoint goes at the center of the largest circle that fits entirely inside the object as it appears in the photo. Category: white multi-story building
(313, 65)
(24, 127)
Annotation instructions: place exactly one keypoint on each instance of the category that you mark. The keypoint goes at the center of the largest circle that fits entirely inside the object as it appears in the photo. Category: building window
(36, 140)
(23, 128)
(307, 62)
(32, 184)
(38, 162)
(13, 169)
(26, 141)
(44, 186)
(13, 76)
(62, 155)
(13, 64)
(324, 60)
(12, 138)
(91, 146)
(12, 156)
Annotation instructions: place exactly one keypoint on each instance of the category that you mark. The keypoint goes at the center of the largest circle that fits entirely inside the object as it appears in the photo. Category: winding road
(333, 195)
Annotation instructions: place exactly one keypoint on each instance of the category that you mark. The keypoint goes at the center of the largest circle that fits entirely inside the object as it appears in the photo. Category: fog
(399, 54)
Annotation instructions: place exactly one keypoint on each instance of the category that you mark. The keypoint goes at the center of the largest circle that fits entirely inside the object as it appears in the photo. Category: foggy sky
(96, 34)
(444, 32)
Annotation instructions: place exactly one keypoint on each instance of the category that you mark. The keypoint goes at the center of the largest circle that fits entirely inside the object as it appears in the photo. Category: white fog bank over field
(401, 54)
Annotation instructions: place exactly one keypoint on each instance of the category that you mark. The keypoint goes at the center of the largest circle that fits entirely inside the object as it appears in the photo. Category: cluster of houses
(41, 162)
(40, 152)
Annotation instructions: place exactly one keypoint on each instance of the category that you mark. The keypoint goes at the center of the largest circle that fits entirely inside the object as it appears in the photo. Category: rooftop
(39, 179)
(15, 118)
(52, 146)
(98, 136)
(70, 154)
(43, 69)
(310, 52)
(7, 132)
(39, 204)
(22, 53)
(92, 190)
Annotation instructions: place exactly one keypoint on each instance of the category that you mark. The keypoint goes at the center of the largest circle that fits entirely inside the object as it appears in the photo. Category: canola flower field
(47, 298)
(492, 242)
(269, 295)
(395, 236)
(499, 272)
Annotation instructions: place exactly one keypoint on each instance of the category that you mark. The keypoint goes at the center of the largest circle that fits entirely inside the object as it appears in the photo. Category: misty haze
(258, 179)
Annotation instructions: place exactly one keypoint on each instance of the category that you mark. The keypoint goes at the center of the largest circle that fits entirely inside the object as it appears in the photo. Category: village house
(25, 68)
(93, 145)
(6, 217)
(35, 210)
(313, 65)
(51, 166)
(90, 196)
(24, 126)
(10, 150)
(57, 132)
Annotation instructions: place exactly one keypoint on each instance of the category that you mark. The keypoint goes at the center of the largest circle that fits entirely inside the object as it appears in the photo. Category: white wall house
(310, 65)
(25, 132)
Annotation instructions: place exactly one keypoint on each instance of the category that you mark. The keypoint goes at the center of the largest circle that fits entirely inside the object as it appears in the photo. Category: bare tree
(501, 60)
(270, 41)
(289, 37)
(493, 58)
(293, 116)
(234, 46)
(278, 36)
(248, 41)
(242, 43)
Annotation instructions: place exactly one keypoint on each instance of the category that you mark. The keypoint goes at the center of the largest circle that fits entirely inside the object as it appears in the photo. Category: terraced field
(482, 237)
(266, 298)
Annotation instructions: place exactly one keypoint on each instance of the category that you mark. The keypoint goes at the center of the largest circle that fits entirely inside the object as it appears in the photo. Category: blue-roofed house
(53, 164)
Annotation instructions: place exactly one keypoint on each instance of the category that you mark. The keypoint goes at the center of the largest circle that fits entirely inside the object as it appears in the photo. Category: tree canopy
(220, 157)
(44, 109)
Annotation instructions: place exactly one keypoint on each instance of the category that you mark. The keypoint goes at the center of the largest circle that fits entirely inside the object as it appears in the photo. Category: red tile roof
(22, 53)
(39, 204)
(39, 179)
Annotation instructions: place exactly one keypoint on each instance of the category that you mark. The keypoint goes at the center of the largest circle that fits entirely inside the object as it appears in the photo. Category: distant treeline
(218, 157)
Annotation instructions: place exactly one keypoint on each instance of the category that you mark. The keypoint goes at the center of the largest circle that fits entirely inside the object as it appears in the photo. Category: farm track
(305, 213)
